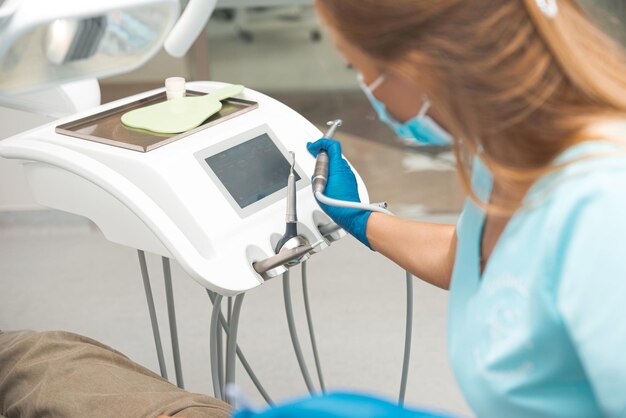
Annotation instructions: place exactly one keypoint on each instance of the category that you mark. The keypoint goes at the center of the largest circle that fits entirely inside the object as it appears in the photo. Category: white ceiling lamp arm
(7, 10)
(191, 22)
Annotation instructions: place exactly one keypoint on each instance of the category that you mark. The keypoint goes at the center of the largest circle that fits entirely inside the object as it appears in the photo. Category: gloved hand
(342, 185)
(338, 405)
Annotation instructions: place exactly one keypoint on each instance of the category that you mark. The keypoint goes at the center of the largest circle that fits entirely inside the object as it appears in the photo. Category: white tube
(152, 310)
(242, 357)
(408, 336)
(406, 359)
(189, 26)
(215, 313)
(231, 345)
(349, 205)
(171, 314)
(293, 333)
(309, 320)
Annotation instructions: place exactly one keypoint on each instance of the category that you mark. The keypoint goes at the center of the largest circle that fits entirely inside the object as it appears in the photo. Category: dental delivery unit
(228, 199)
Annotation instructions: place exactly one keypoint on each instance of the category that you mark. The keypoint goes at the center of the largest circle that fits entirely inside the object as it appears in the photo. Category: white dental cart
(213, 198)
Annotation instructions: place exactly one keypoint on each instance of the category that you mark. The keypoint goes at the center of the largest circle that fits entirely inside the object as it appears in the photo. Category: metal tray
(107, 127)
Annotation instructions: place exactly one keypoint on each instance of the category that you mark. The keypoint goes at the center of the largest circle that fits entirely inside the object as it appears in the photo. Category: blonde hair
(512, 84)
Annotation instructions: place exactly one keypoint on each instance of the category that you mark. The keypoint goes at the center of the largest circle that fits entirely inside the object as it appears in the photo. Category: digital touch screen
(252, 170)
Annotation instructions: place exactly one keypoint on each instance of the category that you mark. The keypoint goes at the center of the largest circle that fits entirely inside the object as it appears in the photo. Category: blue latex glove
(342, 185)
(338, 405)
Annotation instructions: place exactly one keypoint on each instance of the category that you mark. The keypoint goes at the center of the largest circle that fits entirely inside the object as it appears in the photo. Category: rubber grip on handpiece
(320, 174)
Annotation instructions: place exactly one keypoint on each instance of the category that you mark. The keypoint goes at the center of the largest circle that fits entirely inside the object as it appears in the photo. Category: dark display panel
(252, 170)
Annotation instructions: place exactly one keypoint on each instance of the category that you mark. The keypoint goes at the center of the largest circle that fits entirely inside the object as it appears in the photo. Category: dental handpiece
(291, 214)
(320, 179)
(320, 173)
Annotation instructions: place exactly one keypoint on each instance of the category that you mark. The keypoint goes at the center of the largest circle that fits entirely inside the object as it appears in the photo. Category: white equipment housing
(182, 200)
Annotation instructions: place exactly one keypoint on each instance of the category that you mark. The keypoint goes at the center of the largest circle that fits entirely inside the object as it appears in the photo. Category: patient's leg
(58, 374)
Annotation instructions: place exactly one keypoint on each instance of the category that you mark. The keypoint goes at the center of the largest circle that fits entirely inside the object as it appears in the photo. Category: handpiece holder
(286, 258)
(320, 173)
(291, 249)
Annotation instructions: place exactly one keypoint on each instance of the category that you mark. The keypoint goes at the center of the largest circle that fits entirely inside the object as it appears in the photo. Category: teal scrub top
(542, 332)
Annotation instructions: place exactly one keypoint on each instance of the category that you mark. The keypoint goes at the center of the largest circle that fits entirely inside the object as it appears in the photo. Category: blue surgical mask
(421, 128)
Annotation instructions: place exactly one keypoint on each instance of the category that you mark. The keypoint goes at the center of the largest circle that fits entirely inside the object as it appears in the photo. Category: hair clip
(550, 8)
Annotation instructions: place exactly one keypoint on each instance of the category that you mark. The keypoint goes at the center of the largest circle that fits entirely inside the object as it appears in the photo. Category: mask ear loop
(425, 107)
(376, 83)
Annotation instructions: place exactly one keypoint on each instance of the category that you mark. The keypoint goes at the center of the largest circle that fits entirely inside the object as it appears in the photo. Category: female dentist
(533, 98)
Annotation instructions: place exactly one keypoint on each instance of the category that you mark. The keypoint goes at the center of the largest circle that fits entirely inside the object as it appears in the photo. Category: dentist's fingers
(330, 145)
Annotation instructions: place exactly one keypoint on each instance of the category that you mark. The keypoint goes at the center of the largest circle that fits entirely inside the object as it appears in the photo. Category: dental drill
(320, 179)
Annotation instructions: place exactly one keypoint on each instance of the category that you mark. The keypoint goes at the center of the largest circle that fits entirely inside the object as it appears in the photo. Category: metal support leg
(152, 310)
(220, 354)
(309, 320)
(171, 313)
(407, 337)
(231, 347)
(294, 333)
(242, 357)
(222, 359)
(215, 314)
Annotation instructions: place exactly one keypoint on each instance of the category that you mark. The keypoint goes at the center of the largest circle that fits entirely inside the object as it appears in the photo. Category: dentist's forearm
(426, 250)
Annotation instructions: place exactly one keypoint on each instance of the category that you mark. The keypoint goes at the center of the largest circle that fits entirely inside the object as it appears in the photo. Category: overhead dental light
(44, 44)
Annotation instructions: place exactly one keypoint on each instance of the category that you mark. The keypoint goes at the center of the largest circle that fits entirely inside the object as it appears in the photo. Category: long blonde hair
(514, 85)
